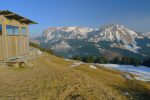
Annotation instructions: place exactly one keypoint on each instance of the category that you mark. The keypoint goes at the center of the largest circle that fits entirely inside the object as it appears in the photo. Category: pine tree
(84, 59)
(146, 62)
(102, 60)
(76, 58)
(90, 59)
(125, 60)
(135, 61)
(116, 60)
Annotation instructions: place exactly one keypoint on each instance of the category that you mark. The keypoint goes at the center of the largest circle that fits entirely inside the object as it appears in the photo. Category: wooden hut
(14, 35)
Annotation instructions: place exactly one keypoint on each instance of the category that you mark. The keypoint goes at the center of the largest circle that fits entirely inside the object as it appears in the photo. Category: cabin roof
(17, 17)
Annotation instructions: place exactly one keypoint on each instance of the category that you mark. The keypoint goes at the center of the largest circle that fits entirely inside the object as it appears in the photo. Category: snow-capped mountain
(147, 34)
(56, 33)
(115, 32)
(119, 35)
(77, 40)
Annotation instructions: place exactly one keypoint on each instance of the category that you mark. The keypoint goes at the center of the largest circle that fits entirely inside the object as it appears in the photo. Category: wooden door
(12, 46)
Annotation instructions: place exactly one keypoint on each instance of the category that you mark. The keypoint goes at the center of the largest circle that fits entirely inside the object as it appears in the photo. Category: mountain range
(109, 40)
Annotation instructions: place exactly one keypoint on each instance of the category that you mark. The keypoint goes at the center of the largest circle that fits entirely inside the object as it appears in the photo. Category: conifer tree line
(146, 62)
(117, 60)
(41, 48)
(103, 60)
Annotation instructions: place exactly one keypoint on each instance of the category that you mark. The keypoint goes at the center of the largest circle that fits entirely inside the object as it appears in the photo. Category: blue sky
(134, 14)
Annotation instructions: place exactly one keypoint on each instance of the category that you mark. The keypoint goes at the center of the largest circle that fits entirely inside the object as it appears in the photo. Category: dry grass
(52, 79)
(137, 90)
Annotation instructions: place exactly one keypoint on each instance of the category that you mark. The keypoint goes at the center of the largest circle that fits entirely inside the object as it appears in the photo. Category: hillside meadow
(52, 78)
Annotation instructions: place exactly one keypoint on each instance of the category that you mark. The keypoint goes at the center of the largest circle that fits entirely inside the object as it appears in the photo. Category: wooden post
(27, 38)
(19, 40)
(4, 39)
(1, 41)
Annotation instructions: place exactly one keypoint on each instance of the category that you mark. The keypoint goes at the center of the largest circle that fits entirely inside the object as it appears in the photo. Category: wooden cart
(21, 60)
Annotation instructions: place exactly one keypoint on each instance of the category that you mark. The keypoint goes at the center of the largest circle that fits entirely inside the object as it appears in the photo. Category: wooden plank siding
(17, 45)
(1, 49)
(1, 46)
(12, 46)
(23, 45)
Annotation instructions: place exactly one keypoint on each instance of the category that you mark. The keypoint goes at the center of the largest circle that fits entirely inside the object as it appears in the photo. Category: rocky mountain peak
(115, 32)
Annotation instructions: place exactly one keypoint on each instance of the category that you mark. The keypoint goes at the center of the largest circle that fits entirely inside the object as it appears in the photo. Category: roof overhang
(17, 17)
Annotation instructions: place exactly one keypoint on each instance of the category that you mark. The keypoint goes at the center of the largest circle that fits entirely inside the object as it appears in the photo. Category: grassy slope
(52, 79)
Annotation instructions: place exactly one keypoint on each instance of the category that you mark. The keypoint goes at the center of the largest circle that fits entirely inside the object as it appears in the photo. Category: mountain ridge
(72, 40)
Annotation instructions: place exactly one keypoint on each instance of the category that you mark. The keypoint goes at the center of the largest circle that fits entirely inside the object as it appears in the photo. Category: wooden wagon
(14, 37)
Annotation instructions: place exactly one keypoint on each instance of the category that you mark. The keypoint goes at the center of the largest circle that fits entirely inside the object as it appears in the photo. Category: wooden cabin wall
(1, 51)
(14, 45)
(1, 42)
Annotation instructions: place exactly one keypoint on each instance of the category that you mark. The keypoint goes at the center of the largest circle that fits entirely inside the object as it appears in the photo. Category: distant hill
(115, 39)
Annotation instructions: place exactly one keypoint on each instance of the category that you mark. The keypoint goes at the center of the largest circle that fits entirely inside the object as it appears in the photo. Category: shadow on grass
(134, 90)
(75, 97)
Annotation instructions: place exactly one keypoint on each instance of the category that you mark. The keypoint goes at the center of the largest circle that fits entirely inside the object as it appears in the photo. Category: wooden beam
(7, 15)
(22, 19)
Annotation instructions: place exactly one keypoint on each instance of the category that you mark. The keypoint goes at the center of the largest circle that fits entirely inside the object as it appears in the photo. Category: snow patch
(126, 93)
(128, 76)
(76, 64)
(142, 72)
(93, 67)
(141, 79)
(39, 52)
(146, 34)
(68, 59)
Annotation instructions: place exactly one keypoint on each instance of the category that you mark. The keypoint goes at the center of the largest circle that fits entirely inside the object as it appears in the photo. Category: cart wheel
(21, 64)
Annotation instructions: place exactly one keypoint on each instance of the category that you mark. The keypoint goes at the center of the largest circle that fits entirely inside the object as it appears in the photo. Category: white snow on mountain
(120, 36)
(115, 32)
(124, 37)
(147, 34)
(63, 33)
(62, 46)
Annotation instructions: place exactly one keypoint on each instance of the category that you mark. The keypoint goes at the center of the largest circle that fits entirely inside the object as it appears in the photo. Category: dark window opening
(12, 30)
(0, 30)
(24, 31)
